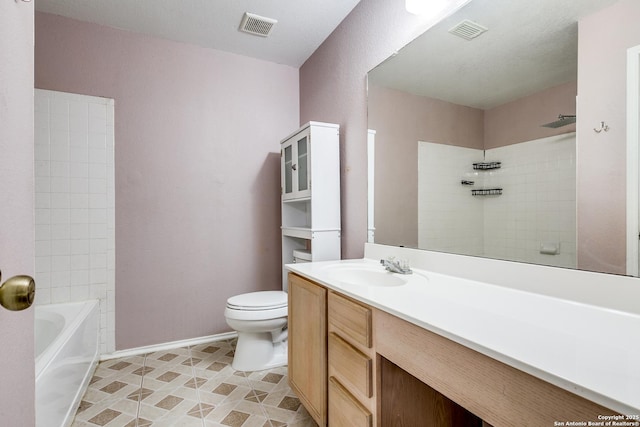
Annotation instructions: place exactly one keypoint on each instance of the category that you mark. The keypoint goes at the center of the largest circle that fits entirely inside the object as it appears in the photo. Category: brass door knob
(17, 293)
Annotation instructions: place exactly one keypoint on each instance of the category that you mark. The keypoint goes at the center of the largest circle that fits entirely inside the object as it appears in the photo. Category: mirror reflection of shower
(563, 120)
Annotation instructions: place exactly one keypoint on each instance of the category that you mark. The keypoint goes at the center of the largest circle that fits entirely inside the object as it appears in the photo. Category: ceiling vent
(257, 25)
(468, 30)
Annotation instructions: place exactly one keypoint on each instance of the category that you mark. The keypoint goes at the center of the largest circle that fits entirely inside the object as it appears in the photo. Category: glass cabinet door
(296, 182)
(303, 165)
(287, 170)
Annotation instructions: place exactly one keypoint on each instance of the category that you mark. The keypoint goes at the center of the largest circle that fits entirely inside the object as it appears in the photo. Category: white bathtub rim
(49, 354)
(138, 351)
(81, 390)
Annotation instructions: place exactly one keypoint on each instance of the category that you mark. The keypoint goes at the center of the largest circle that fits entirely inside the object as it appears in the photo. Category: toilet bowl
(260, 318)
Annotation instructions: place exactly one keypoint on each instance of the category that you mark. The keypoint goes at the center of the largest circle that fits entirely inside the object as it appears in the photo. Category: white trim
(167, 346)
(633, 139)
(371, 162)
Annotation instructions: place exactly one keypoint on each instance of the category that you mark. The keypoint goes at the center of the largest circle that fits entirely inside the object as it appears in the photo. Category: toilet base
(256, 351)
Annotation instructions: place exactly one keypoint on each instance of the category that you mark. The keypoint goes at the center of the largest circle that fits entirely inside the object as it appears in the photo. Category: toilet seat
(261, 305)
(263, 300)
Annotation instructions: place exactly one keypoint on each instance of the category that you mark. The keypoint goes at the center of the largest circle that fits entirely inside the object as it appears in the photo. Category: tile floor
(192, 386)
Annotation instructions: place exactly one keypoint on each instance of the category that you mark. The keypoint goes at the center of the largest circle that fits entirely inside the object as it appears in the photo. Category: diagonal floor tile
(190, 386)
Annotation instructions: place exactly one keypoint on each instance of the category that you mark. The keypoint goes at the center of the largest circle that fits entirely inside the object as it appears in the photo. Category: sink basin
(365, 275)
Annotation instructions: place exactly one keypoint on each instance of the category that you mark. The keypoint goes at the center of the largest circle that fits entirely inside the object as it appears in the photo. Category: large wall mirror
(502, 132)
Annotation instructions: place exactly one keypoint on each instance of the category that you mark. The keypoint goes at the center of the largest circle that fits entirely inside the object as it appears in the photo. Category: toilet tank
(300, 256)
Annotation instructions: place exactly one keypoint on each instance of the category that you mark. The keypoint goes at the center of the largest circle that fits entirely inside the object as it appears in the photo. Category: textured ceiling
(530, 46)
(302, 24)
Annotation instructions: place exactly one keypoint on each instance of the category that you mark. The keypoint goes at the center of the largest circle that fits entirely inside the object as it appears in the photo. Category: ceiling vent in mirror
(468, 30)
(257, 25)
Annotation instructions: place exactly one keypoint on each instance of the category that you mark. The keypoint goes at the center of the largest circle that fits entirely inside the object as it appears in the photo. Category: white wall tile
(79, 122)
(59, 216)
(80, 277)
(79, 139)
(60, 295)
(60, 231)
(42, 168)
(59, 200)
(78, 201)
(60, 278)
(79, 293)
(537, 204)
(97, 155)
(60, 247)
(59, 140)
(42, 185)
(42, 152)
(79, 154)
(60, 169)
(97, 140)
(79, 185)
(80, 262)
(79, 247)
(97, 201)
(59, 184)
(43, 232)
(43, 248)
(60, 263)
(79, 231)
(72, 206)
(42, 216)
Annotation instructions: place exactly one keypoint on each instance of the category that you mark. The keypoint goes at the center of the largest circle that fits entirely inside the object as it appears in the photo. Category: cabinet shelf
(294, 201)
(487, 192)
(305, 232)
(483, 166)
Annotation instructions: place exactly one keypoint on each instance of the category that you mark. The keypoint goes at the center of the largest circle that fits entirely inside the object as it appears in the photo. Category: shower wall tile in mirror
(75, 203)
(533, 220)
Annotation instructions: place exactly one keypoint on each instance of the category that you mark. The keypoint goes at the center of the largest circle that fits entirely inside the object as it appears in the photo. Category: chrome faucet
(396, 266)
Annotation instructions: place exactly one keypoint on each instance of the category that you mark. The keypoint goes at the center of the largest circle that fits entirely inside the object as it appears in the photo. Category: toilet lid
(264, 300)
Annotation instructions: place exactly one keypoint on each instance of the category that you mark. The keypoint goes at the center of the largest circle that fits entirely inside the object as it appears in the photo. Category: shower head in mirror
(563, 120)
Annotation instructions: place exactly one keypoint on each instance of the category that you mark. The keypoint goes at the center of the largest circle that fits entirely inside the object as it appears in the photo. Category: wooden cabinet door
(308, 345)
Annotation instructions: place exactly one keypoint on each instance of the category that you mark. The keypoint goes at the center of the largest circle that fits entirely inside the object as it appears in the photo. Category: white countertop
(591, 351)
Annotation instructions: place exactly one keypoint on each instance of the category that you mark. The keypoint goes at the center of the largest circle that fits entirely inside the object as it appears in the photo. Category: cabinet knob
(294, 167)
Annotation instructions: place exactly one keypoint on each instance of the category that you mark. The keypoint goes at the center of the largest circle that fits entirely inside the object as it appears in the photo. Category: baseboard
(167, 346)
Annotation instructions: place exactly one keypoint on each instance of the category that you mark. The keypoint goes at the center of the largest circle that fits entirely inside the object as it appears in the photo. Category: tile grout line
(196, 386)
(144, 367)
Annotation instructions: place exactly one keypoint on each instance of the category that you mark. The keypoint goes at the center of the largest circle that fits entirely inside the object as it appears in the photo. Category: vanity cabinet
(308, 345)
(351, 362)
(310, 188)
(354, 365)
(331, 355)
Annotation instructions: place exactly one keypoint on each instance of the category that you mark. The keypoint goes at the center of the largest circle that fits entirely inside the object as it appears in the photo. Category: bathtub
(66, 354)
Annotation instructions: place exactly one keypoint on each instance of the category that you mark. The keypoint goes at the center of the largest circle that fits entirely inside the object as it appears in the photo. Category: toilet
(260, 318)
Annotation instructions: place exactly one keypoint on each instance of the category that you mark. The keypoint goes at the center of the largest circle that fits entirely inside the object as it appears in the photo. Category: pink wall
(521, 120)
(17, 213)
(333, 89)
(601, 158)
(197, 135)
(400, 121)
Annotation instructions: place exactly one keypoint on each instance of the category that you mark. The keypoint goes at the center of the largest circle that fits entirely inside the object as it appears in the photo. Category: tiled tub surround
(75, 203)
(538, 203)
(189, 386)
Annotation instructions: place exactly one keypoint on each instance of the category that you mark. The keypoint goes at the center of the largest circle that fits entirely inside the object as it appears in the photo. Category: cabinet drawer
(344, 409)
(349, 365)
(351, 319)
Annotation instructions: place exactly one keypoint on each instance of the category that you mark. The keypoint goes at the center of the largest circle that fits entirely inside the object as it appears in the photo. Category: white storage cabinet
(310, 180)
